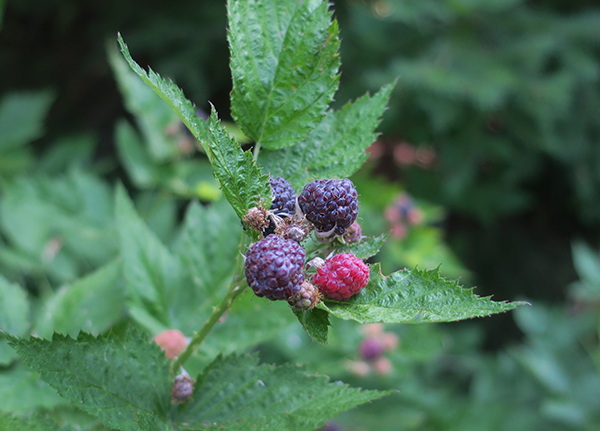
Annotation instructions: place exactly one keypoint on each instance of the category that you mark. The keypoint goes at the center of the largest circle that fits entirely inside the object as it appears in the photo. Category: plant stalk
(235, 290)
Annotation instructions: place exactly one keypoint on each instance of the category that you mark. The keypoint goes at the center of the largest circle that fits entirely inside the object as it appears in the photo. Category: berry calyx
(330, 205)
(342, 276)
(274, 267)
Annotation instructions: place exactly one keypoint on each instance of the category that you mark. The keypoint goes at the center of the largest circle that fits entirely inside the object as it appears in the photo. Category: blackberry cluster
(330, 205)
(275, 264)
(274, 267)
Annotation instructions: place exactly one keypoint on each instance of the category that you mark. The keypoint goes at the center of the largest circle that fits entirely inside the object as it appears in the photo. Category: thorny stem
(236, 288)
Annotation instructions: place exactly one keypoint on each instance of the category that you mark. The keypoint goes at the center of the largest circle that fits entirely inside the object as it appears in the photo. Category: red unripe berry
(342, 276)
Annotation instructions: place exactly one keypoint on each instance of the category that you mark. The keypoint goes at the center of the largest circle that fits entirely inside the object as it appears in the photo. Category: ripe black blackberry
(284, 196)
(330, 205)
(274, 267)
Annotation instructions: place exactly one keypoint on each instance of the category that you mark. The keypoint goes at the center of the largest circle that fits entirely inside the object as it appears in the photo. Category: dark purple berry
(371, 348)
(274, 267)
(330, 205)
(284, 196)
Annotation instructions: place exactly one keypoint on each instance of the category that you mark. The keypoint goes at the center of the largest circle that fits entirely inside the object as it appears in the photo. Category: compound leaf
(414, 296)
(336, 147)
(114, 379)
(284, 64)
(235, 393)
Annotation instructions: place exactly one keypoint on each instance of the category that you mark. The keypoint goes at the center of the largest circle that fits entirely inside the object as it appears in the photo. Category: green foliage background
(505, 92)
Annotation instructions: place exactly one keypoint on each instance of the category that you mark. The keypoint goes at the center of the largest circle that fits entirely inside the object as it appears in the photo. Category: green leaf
(336, 147)
(187, 178)
(414, 296)
(92, 304)
(114, 379)
(171, 94)
(241, 180)
(235, 393)
(315, 322)
(364, 249)
(142, 171)
(14, 316)
(150, 269)
(249, 321)
(284, 64)
(14, 308)
(153, 116)
(160, 293)
(21, 390)
(60, 225)
(22, 117)
(209, 246)
(67, 152)
(32, 423)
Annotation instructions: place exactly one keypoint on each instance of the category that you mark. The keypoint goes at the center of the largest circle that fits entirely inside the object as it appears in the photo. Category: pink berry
(342, 276)
(172, 341)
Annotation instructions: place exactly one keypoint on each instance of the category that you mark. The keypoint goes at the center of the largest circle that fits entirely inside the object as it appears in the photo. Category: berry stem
(235, 290)
(256, 151)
